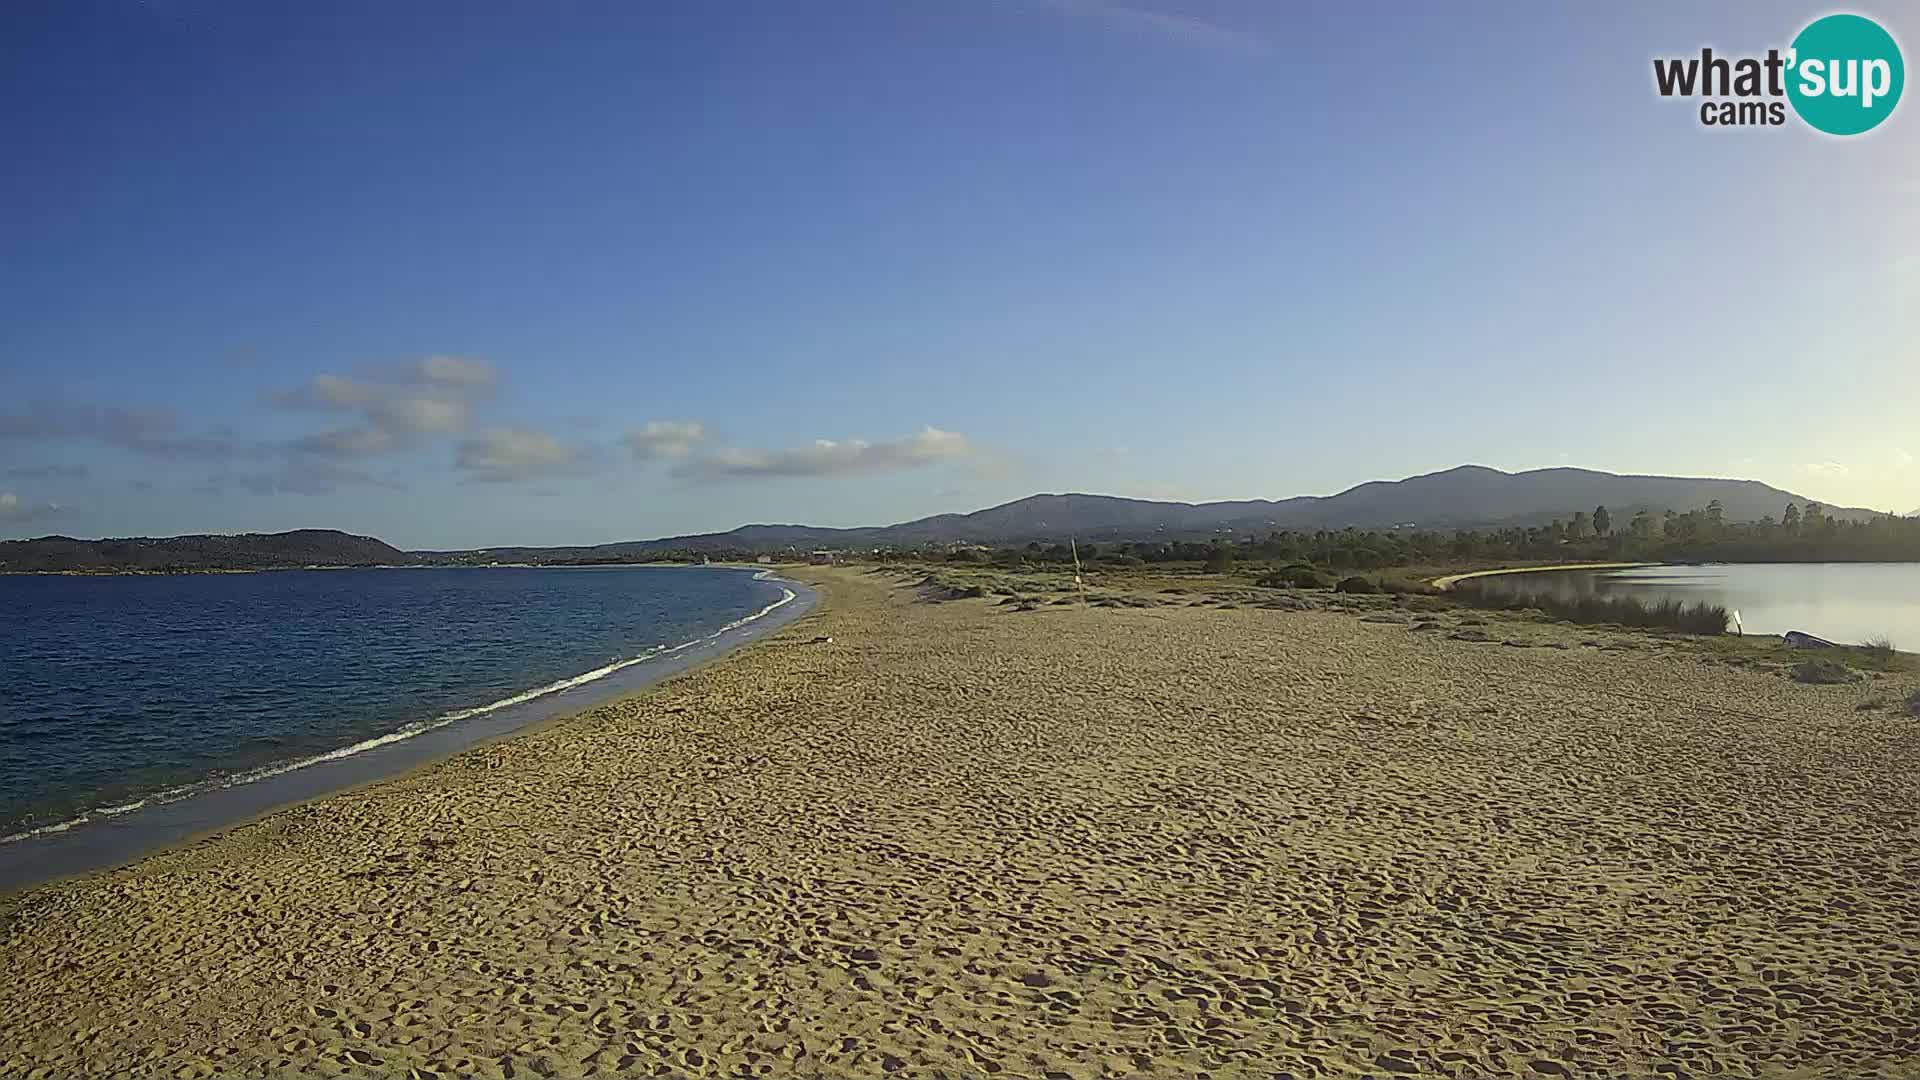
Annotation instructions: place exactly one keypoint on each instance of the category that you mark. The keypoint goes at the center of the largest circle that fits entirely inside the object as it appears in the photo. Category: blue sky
(460, 275)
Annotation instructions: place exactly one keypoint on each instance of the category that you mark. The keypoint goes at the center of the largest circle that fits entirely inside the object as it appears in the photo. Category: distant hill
(246, 551)
(1465, 497)
(1470, 496)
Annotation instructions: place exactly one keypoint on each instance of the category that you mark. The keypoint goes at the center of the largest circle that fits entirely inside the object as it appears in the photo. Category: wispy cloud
(1822, 468)
(299, 475)
(15, 510)
(673, 439)
(827, 457)
(150, 432)
(348, 442)
(49, 472)
(1172, 26)
(506, 454)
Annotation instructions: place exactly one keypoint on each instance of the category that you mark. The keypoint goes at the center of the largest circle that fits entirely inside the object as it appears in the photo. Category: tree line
(1801, 534)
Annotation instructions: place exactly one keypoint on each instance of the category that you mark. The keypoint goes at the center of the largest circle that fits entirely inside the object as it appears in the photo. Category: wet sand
(962, 840)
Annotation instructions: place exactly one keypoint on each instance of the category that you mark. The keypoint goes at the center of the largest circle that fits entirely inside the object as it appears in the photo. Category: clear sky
(469, 274)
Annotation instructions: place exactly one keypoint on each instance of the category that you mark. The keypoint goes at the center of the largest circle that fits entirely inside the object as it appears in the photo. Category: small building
(765, 560)
(821, 557)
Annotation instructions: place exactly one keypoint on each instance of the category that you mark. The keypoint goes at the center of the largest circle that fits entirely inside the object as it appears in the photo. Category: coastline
(105, 838)
(1450, 580)
(963, 839)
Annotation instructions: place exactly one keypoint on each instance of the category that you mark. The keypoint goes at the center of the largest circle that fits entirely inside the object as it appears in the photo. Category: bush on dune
(1823, 673)
(1879, 649)
(1294, 576)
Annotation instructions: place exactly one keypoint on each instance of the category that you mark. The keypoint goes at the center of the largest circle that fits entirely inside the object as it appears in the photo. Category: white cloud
(432, 396)
(664, 439)
(329, 392)
(826, 457)
(420, 414)
(503, 454)
(456, 372)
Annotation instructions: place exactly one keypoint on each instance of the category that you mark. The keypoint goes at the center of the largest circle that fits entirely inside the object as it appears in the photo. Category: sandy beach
(962, 840)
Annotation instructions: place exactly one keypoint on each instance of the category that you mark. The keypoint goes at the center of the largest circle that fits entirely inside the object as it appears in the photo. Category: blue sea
(119, 695)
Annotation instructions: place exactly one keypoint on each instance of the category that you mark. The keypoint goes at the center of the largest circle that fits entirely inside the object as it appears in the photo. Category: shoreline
(104, 839)
(1169, 837)
(191, 571)
(1448, 581)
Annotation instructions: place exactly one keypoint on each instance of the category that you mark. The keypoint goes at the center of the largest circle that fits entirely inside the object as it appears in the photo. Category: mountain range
(1464, 497)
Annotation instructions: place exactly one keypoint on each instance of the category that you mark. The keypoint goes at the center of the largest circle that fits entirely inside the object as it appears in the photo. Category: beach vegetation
(1821, 671)
(1599, 609)
(1296, 575)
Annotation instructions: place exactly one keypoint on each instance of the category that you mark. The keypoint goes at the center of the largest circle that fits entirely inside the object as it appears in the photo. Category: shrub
(1296, 576)
(1913, 703)
(1601, 609)
(1822, 673)
(1220, 559)
(1879, 649)
(1356, 584)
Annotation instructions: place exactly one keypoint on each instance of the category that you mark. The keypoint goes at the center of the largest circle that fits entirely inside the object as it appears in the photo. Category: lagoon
(1849, 603)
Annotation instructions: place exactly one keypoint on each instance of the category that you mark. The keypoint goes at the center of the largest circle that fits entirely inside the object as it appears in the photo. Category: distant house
(821, 557)
(765, 560)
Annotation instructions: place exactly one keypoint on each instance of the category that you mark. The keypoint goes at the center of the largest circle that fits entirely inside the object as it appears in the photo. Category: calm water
(1845, 602)
(121, 693)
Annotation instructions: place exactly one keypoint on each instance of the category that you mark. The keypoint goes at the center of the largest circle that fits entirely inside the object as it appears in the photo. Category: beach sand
(962, 840)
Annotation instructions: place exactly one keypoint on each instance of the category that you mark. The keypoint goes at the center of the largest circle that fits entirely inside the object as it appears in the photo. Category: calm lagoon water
(122, 694)
(1844, 602)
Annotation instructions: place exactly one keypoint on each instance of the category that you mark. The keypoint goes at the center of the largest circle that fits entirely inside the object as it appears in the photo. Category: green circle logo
(1844, 74)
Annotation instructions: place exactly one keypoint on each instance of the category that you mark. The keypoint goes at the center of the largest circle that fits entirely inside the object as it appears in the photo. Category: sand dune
(1075, 842)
